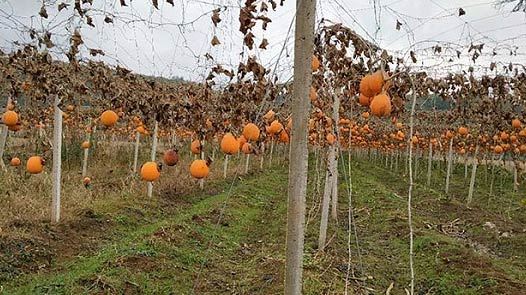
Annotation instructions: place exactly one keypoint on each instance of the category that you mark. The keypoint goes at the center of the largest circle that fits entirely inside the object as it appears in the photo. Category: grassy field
(229, 238)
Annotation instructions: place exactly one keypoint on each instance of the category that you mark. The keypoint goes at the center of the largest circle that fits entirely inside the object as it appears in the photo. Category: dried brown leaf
(264, 44)
(43, 12)
(62, 6)
(215, 16)
(215, 41)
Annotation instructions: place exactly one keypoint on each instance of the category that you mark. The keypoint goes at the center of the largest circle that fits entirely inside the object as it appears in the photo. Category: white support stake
(225, 167)
(136, 151)
(3, 139)
(57, 161)
(153, 154)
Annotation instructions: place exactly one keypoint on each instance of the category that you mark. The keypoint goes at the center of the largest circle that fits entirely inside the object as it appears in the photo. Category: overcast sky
(172, 41)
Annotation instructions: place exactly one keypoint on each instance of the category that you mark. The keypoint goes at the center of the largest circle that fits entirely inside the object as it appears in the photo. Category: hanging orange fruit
(150, 171)
(251, 132)
(364, 100)
(275, 127)
(195, 147)
(199, 169)
(229, 144)
(269, 115)
(247, 148)
(312, 94)
(241, 140)
(381, 105)
(10, 118)
(109, 118)
(284, 137)
(331, 139)
(15, 162)
(86, 181)
(35, 165)
(315, 63)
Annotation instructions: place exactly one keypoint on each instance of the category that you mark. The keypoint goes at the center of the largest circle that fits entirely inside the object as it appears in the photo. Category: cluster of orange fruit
(373, 93)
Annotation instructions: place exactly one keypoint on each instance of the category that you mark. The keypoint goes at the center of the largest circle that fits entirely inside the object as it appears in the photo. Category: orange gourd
(209, 123)
(312, 94)
(85, 144)
(498, 149)
(229, 144)
(195, 147)
(15, 162)
(331, 139)
(199, 169)
(275, 127)
(380, 105)
(284, 137)
(463, 130)
(10, 107)
(377, 81)
(269, 115)
(141, 130)
(315, 63)
(365, 115)
(150, 171)
(364, 100)
(251, 132)
(247, 148)
(109, 118)
(241, 140)
(10, 118)
(371, 85)
(35, 165)
(86, 181)
(516, 123)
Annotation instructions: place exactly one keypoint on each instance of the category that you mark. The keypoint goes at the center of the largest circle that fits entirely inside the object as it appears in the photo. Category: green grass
(232, 242)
